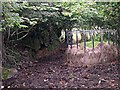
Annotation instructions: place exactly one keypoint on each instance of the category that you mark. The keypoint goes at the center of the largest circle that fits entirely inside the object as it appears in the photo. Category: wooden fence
(92, 33)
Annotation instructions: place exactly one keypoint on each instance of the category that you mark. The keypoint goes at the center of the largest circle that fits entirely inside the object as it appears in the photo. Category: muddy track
(51, 72)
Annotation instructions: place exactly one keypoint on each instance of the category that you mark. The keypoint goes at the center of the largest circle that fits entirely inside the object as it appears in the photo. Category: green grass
(89, 43)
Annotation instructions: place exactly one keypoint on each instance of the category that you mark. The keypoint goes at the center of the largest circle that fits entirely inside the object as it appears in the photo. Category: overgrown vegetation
(39, 24)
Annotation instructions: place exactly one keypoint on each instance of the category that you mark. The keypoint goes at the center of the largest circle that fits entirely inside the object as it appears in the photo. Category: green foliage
(90, 45)
(39, 24)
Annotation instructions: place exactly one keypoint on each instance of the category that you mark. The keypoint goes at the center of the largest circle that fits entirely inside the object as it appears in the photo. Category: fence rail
(91, 33)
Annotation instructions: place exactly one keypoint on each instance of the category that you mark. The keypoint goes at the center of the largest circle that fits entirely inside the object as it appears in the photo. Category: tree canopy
(39, 24)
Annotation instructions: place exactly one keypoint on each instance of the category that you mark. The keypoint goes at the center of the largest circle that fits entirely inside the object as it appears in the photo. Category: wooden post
(84, 40)
(67, 39)
(101, 34)
(71, 39)
(93, 40)
(114, 38)
(108, 37)
(77, 39)
(90, 35)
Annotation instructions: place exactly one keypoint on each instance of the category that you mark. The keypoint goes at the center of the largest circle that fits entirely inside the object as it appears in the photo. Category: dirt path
(51, 72)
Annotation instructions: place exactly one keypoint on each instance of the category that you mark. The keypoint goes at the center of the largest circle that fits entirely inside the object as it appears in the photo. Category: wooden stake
(77, 39)
(93, 40)
(113, 38)
(108, 37)
(71, 40)
(84, 40)
(101, 39)
(67, 43)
